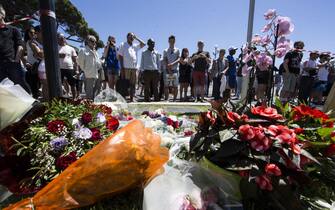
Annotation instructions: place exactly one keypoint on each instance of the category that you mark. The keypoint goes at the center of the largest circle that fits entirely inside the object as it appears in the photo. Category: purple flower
(83, 133)
(285, 26)
(58, 143)
(270, 14)
(266, 28)
(280, 52)
(265, 40)
(101, 118)
(263, 61)
(284, 43)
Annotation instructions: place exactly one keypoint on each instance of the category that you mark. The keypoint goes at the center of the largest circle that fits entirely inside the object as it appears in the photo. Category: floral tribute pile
(52, 141)
(284, 155)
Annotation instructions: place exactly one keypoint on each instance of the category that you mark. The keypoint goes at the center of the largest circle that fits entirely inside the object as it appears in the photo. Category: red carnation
(55, 126)
(272, 169)
(260, 142)
(86, 118)
(176, 124)
(264, 183)
(112, 123)
(95, 134)
(64, 161)
(267, 112)
(233, 117)
(330, 151)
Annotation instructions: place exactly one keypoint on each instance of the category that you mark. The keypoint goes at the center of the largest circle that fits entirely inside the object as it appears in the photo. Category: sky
(216, 22)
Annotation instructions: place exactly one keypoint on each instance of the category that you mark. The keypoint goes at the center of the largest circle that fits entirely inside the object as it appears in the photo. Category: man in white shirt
(128, 60)
(171, 58)
(68, 64)
(89, 62)
(308, 74)
(150, 65)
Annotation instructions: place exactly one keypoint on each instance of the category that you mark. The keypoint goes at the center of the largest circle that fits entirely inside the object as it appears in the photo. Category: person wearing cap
(128, 60)
(309, 71)
(88, 60)
(201, 61)
(68, 64)
(292, 63)
(231, 72)
(150, 65)
(11, 50)
(219, 69)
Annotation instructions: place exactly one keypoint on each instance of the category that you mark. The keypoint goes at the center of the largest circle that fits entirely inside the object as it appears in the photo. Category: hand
(169, 66)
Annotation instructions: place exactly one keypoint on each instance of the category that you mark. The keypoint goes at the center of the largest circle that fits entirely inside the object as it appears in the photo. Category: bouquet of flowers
(279, 153)
(62, 135)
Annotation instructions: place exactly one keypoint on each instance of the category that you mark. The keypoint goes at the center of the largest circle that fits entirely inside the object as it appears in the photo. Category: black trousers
(305, 88)
(151, 79)
(33, 81)
(14, 72)
(216, 87)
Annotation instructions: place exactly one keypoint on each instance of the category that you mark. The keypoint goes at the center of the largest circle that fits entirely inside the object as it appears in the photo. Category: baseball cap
(232, 48)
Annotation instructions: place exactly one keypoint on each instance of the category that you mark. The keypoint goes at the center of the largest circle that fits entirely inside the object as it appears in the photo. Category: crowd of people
(174, 72)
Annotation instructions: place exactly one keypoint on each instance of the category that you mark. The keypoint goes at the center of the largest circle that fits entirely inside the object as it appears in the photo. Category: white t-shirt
(129, 54)
(171, 55)
(308, 64)
(66, 62)
(323, 74)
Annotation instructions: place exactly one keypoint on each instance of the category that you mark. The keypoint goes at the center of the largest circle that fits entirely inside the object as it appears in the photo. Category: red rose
(112, 123)
(272, 169)
(169, 121)
(332, 135)
(188, 133)
(64, 161)
(211, 118)
(330, 151)
(233, 117)
(264, 183)
(247, 132)
(95, 134)
(86, 118)
(55, 126)
(298, 130)
(267, 112)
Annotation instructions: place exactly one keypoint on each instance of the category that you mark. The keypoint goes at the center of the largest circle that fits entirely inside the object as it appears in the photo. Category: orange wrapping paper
(127, 159)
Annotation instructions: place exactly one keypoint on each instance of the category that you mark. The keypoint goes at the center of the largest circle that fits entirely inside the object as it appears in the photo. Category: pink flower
(256, 39)
(266, 28)
(285, 26)
(270, 14)
(264, 182)
(265, 40)
(280, 52)
(263, 61)
(284, 43)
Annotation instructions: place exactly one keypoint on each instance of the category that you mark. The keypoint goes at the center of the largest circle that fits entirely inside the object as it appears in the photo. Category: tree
(69, 18)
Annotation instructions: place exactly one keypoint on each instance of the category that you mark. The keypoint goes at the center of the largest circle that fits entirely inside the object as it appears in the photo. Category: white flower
(101, 117)
(83, 133)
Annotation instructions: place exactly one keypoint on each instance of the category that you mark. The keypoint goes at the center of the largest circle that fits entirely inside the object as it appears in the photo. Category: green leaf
(309, 156)
(19, 151)
(323, 132)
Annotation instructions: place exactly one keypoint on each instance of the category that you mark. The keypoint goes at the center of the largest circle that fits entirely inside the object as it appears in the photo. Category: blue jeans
(15, 72)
